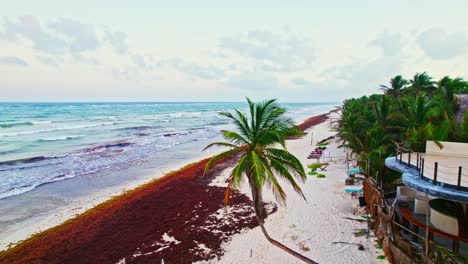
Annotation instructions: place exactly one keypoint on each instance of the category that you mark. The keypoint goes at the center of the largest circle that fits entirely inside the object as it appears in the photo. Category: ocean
(43, 143)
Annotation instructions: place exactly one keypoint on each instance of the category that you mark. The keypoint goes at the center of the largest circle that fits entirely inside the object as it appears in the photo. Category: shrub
(314, 166)
(322, 144)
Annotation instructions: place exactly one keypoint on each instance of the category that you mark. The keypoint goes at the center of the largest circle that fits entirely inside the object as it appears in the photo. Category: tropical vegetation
(408, 112)
(259, 146)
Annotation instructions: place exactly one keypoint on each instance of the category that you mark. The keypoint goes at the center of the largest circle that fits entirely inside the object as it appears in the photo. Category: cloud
(125, 73)
(80, 37)
(12, 60)
(48, 60)
(194, 70)
(118, 41)
(361, 75)
(142, 62)
(208, 73)
(440, 45)
(389, 43)
(275, 52)
(29, 28)
(301, 81)
(254, 80)
(58, 38)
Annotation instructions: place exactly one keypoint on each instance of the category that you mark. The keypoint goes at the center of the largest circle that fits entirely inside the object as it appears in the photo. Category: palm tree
(422, 82)
(260, 160)
(397, 85)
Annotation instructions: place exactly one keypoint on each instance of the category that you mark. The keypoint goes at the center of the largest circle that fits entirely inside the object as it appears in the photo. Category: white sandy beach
(313, 225)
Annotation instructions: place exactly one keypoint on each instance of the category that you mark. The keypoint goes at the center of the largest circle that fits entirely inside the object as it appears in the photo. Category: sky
(292, 50)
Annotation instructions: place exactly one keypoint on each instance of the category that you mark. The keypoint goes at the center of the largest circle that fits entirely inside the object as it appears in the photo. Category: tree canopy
(408, 112)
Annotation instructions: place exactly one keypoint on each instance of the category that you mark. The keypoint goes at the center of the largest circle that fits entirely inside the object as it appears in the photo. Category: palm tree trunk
(259, 213)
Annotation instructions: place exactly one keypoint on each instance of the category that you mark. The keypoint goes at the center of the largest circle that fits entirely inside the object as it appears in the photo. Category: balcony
(438, 172)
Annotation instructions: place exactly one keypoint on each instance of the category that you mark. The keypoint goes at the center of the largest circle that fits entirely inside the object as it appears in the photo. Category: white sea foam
(31, 132)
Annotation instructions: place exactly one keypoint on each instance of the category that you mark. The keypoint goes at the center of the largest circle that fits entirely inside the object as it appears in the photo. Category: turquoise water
(46, 142)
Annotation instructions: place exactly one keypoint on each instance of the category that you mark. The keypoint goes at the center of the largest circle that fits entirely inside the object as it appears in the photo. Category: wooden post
(415, 231)
(422, 168)
(429, 236)
(456, 246)
(459, 177)
(436, 165)
(417, 161)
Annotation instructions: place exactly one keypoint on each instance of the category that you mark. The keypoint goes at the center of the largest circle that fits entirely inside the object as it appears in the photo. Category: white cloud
(80, 37)
(118, 41)
(364, 76)
(55, 40)
(12, 60)
(51, 61)
(143, 62)
(30, 29)
(389, 43)
(301, 81)
(253, 81)
(125, 73)
(440, 45)
(274, 52)
(203, 72)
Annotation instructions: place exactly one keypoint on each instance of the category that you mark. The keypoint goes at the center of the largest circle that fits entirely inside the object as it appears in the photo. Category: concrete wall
(449, 149)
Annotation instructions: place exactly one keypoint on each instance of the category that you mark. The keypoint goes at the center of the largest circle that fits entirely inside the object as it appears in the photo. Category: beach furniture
(355, 170)
(354, 192)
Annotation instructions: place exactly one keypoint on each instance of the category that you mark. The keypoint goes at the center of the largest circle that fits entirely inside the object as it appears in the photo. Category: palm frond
(220, 156)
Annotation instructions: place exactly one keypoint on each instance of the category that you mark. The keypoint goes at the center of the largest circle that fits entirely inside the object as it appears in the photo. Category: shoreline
(79, 230)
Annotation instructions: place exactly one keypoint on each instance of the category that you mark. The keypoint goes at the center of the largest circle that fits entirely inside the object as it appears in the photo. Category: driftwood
(354, 219)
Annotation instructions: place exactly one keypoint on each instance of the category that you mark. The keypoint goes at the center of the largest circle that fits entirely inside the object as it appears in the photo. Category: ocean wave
(41, 122)
(18, 124)
(28, 174)
(21, 133)
(215, 123)
(9, 125)
(25, 160)
(61, 138)
(16, 191)
(138, 128)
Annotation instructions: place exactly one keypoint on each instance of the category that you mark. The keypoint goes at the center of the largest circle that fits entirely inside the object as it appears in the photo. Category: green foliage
(321, 175)
(322, 144)
(381, 257)
(259, 142)
(409, 111)
(314, 166)
(312, 173)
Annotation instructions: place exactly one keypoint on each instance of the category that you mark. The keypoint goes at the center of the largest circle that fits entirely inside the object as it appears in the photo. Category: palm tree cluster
(409, 112)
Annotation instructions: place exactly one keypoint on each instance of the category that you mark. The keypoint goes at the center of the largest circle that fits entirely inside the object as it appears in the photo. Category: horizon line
(151, 102)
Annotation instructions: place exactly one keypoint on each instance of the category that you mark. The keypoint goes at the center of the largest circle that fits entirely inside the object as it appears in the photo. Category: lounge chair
(354, 192)
(355, 170)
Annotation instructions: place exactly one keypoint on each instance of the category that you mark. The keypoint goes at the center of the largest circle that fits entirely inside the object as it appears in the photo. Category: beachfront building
(431, 208)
